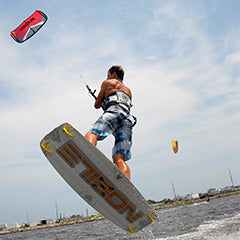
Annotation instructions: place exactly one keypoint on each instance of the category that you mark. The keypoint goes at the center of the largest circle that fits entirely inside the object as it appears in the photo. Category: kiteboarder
(115, 99)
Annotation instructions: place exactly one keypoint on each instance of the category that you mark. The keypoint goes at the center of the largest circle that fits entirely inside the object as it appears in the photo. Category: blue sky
(181, 60)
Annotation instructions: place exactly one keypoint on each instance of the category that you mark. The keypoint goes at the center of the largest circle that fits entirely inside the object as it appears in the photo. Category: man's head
(117, 70)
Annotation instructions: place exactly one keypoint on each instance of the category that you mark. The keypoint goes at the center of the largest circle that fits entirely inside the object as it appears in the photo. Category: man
(115, 99)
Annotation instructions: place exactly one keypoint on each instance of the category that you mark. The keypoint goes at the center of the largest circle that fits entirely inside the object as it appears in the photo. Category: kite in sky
(175, 146)
(29, 27)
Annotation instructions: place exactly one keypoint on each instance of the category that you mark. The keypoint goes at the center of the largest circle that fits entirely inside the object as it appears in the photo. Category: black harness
(119, 98)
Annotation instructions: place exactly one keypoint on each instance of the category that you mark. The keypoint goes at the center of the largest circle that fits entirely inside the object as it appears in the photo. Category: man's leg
(92, 138)
(121, 164)
(117, 158)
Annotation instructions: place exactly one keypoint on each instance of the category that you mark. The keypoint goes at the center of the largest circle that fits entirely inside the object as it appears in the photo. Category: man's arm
(100, 97)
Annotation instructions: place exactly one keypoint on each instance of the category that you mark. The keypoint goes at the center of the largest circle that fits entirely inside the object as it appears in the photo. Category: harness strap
(119, 98)
(135, 120)
(128, 106)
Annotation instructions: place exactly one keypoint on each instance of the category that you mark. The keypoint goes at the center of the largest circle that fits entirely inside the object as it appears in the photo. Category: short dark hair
(118, 70)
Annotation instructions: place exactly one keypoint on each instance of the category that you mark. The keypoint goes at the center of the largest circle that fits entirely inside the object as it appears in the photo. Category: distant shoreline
(100, 217)
(23, 229)
(190, 201)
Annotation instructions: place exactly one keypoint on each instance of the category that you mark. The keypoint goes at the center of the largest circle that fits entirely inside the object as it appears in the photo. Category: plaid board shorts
(117, 122)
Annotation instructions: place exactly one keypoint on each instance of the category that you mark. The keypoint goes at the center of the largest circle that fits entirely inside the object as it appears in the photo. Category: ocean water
(218, 219)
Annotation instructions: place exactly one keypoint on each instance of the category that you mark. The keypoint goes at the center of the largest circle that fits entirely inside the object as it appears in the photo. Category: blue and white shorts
(117, 122)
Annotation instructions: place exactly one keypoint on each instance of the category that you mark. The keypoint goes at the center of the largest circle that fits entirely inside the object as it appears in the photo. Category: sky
(181, 61)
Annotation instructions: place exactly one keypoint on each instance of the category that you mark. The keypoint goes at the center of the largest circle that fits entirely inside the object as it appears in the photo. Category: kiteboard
(96, 179)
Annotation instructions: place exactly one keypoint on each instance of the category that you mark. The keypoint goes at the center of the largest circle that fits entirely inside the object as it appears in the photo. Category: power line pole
(230, 174)
(27, 218)
(174, 193)
(56, 209)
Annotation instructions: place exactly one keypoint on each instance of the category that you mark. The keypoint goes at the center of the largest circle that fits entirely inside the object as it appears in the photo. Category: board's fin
(132, 230)
(151, 217)
(45, 147)
(68, 131)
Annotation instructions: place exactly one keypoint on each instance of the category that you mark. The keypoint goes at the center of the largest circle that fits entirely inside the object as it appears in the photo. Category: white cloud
(233, 57)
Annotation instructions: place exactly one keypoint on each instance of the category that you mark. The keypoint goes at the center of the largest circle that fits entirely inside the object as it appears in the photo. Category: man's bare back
(110, 86)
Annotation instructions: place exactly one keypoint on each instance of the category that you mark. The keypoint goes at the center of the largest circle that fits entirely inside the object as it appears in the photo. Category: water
(218, 219)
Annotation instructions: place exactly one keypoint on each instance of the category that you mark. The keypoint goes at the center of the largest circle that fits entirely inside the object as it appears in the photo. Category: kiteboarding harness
(119, 98)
